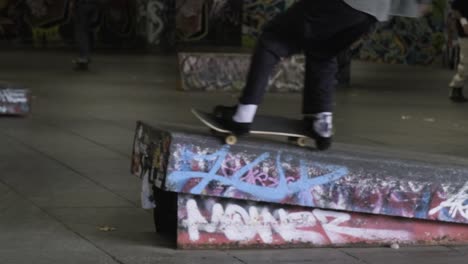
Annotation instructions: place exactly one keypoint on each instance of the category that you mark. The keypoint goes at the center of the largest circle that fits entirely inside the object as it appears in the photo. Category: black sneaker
(225, 114)
(456, 95)
(320, 128)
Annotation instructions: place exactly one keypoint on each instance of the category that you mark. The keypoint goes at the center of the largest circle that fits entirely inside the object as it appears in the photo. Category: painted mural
(156, 22)
(207, 221)
(45, 23)
(128, 23)
(256, 14)
(407, 40)
(209, 22)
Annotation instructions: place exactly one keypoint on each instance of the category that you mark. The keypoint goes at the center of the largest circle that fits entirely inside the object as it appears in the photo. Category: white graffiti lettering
(243, 225)
(13, 96)
(155, 21)
(456, 205)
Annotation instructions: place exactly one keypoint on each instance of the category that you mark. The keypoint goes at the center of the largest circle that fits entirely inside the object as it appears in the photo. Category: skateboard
(263, 125)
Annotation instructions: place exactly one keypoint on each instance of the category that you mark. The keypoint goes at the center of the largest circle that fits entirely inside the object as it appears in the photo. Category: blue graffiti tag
(302, 187)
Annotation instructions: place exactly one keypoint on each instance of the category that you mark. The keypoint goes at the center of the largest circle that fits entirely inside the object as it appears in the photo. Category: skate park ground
(66, 193)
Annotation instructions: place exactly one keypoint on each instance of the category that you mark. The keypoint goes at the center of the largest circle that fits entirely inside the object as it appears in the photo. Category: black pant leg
(321, 64)
(319, 86)
(281, 38)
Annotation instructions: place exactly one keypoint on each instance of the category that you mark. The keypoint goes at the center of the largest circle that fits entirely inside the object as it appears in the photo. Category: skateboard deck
(263, 125)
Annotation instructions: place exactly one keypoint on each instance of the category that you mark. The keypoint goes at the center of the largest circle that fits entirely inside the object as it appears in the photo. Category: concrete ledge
(14, 100)
(204, 71)
(285, 176)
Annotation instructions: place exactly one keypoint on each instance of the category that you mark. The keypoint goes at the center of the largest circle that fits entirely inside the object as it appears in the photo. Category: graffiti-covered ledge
(14, 100)
(261, 171)
(210, 71)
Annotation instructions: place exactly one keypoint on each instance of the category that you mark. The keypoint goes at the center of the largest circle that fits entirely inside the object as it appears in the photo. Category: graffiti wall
(406, 40)
(128, 23)
(256, 14)
(214, 22)
(45, 23)
(156, 21)
(401, 40)
(207, 221)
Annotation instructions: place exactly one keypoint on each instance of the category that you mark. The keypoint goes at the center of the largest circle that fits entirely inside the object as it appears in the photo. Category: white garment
(460, 77)
(382, 10)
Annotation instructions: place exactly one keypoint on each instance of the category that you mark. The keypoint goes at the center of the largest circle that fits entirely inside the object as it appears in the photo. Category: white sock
(323, 125)
(245, 113)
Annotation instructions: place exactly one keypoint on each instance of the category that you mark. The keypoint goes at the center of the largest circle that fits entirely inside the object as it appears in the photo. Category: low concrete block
(228, 72)
(287, 177)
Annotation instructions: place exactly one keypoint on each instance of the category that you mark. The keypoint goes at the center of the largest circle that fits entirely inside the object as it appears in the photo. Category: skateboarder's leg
(321, 70)
(323, 28)
(281, 38)
(269, 51)
(344, 68)
(319, 86)
(318, 97)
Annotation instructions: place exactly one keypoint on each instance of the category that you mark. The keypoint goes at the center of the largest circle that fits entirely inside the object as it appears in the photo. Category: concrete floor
(64, 170)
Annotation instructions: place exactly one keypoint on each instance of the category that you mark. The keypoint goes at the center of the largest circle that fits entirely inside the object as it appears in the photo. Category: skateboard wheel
(231, 140)
(301, 142)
